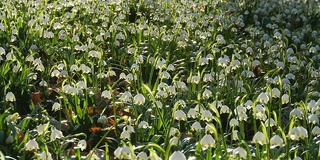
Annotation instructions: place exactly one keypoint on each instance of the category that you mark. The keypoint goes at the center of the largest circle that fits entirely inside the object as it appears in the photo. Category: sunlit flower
(56, 106)
(42, 128)
(139, 99)
(203, 61)
(207, 78)
(196, 126)
(270, 122)
(106, 94)
(177, 155)
(316, 131)
(241, 109)
(32, 145)
(235, 135)
(285, 99)
(45, 155)
(206, 115)
(142, 156)
(240, 151)
(233, 122)
(125, 135)
(160, 63)
(195, 79)
(192, 113)
(224, 109)
(143, 124)
(126, 97)
(206, 94)
(276, 141)
(81, 85)
(55, 134)
(207, 141)
(297, 133)
(313, 118)
(82, 144)
(10, 97)
(180, 115)
(297, 112)
(260, 138)
(263, 98)
(275, 93)
(242, 117)
(123, 153)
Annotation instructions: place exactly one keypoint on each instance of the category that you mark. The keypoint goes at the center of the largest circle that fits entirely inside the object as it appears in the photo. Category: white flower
(192, 113)
(275, 93)
(32, 145)
(126, 97)
(125, 135)
(55, 134)
(260, 138)
(177, 155)
(316, 131)
(297, 133)
(10, 97)
(56, 106)
(313, 118)
(206, 115)
(45, 155)
(270, 122)
(106, 94)
(240, 151)
(143, 124)
(263, 98)
(195, 79)
(276, 141)
(42, 128)
(139, 99)
(206, 94)
(196, 126)
(142, 156)
(207, 141)
(235, 135)
(285, 99)
(180, 115)
(123, 152)
(233, 122)
(82, 144)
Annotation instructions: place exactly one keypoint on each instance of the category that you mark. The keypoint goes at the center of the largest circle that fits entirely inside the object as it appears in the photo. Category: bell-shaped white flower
(139, 99)
(10, 97)
(32, 145)
(177, 155)
(260, 138)
(207, 141)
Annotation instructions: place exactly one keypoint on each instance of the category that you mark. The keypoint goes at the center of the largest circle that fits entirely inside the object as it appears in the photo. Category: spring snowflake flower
(260, 138)
(276, 141)
(81, 85)
(82, 144)
(263, 98)
(55, 134)
(224, 109)
(297, 133)
(235, 135)
(297, 113)
(192, 113)
(125, 135)
(170, 67)
(180, 115)
(316, 131)
(207, 78)
(240, 109)
(177, 155)
(106, 94)
(142, 156)
(165, 75)
(195, 79)
(242, 117)
(207, 141)
(240, 151)
(285, 99)
(12, 118)
(45, 155)
(203, 61)
(233, 122)
(206, 115)
(206, 94)
(270, 122)
(196, 126)
(42, 128)
(32, 145)
(126, 97)
(123, 153)
(139, 99)
(160, 63)
(275, 93)
(143, 124)
(313, 118)
(10, 97)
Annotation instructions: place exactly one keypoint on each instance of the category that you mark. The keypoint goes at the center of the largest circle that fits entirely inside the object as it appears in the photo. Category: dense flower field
(159, 79)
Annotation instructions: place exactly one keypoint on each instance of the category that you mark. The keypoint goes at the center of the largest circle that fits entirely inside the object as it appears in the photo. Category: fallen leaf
(36, 97)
